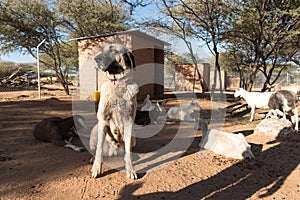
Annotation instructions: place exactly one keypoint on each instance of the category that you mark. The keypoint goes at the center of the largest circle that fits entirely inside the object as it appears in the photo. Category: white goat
(149, 112)
(254, 99)
(148, 106)
(223, 143)
(159, 109)
(282, 102)
(183, 113)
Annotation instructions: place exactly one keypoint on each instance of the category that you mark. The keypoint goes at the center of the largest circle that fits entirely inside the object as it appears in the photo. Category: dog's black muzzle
(115, 60)
(114, 68)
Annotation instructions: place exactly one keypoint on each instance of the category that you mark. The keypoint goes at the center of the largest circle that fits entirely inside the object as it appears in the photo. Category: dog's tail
(94, 138)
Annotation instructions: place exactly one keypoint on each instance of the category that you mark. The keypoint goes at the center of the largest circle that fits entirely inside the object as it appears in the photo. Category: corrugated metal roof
(133, 31)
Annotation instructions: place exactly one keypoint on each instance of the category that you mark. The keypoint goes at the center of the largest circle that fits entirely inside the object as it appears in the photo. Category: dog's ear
(114, 53)
(101, 60)
(129, 60)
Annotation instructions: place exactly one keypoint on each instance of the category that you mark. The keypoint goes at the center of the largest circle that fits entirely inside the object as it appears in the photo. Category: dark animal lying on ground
(59, 131)
(144, 117)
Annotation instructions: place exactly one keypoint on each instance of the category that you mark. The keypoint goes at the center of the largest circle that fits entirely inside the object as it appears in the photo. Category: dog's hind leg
(296, 113)
(96, 169)
(128, 155)
(68, 144)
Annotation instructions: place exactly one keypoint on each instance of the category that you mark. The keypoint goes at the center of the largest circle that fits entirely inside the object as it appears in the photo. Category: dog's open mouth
(115, 73)
(116, 61)
(115, 77)
(114, 68)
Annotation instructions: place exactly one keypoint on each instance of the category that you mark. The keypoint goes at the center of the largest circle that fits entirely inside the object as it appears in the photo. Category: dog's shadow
(107, 172)
(169, 144)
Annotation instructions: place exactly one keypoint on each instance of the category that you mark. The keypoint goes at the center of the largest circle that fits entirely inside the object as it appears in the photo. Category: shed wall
(146, 55)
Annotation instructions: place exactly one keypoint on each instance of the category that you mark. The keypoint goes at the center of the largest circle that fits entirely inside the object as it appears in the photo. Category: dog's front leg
(96, 169)
(128, 155)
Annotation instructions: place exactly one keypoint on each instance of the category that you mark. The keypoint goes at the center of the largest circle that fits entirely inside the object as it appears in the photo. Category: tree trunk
(252, 77)
(220, 79)
(241, 79)
(65, 86)
(63, 82)
(213, 88)
(216, 73)
(219, 71)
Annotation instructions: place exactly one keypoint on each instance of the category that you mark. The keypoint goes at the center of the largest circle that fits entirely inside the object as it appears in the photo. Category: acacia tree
(202, 20)
(234, 61)
(89, 18)
(208, 19)
(282, 25)
(265, 29)
(25, 23)
(180, 27)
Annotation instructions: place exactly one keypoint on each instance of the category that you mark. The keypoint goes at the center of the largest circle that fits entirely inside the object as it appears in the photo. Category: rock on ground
(274, 127)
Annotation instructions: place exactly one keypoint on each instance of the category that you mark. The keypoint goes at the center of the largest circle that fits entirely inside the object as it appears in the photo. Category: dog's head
(116, 60)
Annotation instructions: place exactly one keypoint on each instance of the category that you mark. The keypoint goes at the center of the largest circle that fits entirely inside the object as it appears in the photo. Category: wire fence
(17, 79)
(284, 79)
(232, 81)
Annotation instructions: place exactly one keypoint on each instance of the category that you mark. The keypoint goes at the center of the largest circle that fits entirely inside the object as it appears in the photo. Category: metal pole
(38, 66)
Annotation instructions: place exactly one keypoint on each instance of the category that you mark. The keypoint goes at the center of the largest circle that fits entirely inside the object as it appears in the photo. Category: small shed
(184, 77)
(148, 52)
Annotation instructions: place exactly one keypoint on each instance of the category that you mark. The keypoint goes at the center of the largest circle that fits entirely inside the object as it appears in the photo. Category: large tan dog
(117, 106)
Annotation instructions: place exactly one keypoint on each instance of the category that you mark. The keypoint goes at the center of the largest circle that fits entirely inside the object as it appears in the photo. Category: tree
(7, 68)
(89, 18)
(282, 27)
(202, 20)
(265, 31)
(233, 61)
(25, 23)
(208, 20)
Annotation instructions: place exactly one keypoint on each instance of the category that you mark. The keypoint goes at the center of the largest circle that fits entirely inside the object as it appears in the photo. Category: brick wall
(184, 77)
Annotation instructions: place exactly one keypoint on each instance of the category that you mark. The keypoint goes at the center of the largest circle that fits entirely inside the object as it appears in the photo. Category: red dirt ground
(34, 170)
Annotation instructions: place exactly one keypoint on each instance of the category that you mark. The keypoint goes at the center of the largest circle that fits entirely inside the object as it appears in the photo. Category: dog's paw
(92, 159)
(79, 149)
(131, 174)
(96, 169)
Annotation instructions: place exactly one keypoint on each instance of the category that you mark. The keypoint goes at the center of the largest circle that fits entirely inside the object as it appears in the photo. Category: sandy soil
(30, 169)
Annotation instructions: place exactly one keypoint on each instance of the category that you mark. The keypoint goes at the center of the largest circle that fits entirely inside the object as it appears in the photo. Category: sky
(178, 45)
(18, 57)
